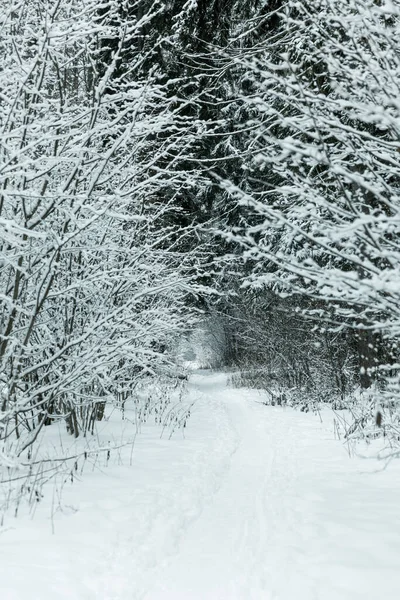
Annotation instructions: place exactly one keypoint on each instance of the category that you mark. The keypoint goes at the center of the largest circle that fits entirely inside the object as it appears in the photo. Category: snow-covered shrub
(323, 132)
(92, 291)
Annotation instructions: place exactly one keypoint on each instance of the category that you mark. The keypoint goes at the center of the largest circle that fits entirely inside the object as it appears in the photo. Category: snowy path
(257, 503)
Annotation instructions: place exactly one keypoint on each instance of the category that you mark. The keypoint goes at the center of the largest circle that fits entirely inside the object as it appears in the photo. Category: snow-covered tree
(323, 144)
(92, 286)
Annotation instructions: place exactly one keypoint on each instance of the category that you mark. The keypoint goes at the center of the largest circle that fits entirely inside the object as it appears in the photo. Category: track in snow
(233, 550)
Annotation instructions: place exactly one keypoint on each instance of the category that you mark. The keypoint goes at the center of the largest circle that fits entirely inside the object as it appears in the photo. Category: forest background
(166, 166)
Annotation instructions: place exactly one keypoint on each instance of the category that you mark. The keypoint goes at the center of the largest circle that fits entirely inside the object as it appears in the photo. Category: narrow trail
(253, 503)
(227, 553)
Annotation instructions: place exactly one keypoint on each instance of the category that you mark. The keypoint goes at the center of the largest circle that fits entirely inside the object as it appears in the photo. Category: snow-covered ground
(255, 503)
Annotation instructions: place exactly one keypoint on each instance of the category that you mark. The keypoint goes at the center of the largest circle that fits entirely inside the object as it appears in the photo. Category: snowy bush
(92, 289)
(321, 219)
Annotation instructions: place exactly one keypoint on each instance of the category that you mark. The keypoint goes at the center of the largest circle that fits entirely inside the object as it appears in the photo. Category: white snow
(255, 503)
